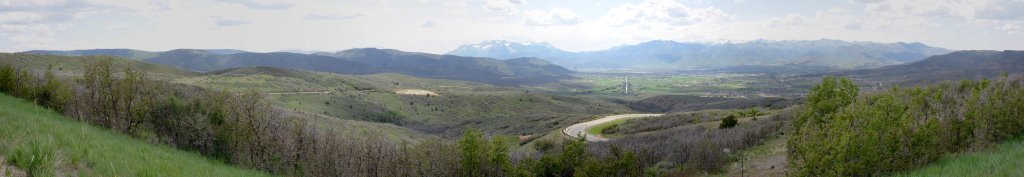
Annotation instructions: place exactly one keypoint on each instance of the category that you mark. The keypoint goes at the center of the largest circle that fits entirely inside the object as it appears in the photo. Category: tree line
(247, 130)
(843, 132)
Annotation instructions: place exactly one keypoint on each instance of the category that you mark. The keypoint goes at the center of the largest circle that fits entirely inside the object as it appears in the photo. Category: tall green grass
(1007, 159)
(599, 128)
(45, 143)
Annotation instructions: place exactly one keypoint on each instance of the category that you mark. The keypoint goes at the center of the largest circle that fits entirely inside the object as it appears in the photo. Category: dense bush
(839, 133)
(728, 122)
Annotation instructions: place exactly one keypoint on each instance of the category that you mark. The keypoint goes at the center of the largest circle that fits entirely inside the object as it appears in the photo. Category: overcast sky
(438, 26)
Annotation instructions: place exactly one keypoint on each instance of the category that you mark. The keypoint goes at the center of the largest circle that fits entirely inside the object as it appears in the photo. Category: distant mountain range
(353, 61)
(505, 49)
(662, 54)
(958, 65)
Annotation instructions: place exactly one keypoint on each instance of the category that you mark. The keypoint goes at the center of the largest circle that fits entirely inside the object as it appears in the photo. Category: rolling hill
(476, 69)
(125, 53)
(74, 64)
(663, 54)
(354, 61)
(203, 61)
(958, 65)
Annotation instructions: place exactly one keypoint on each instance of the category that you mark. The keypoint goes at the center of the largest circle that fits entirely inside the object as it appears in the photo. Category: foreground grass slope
(46, 143)
(1003, 160)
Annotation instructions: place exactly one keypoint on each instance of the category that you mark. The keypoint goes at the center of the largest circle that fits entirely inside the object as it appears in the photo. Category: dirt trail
(581, 128)
(292, 93)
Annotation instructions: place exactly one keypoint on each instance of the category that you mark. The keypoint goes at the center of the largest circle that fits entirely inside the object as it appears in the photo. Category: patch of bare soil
(769, 162)
(10, 170)
(415, 92)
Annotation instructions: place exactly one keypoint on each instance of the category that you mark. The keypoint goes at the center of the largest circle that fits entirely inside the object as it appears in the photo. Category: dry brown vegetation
(695, 149)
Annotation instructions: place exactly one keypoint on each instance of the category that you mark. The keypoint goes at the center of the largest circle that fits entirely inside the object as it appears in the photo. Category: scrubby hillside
(843, 132)
(958, 65)
(125, 53)
(45, 143)
(203, 61)
(485, 70)
(680, 103)
(71, 65)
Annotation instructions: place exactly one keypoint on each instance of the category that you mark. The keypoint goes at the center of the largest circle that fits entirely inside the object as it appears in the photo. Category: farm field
(646, 85)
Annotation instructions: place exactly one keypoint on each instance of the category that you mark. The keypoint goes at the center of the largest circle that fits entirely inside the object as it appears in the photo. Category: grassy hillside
(64, 147)
(452, 106)
(271, 80)
(126, 53)
(374, 61)
(971, 65)
(203, 61)
(277, 80)
(263, 79)
(499, 111)
(1004, 160)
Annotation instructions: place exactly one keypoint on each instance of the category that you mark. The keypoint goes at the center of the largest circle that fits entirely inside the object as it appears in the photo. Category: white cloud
(428, 24)
(1010, 10)
(925, 8)
(504, 6)
(668, 12)
(788, 20)
(556, 16)
(457, 3)
(331, 16)
(261, 4)
(229, 22)
(1012, 28)
(34, 23)
(854, 25)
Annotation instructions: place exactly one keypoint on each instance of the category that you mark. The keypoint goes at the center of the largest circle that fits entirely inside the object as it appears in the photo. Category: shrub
(728, 122)
(543, 145)
(612, 129)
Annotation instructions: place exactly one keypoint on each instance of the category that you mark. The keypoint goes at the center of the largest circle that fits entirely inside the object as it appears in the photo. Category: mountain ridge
(668, 54)
(353, 61)
(968, 64)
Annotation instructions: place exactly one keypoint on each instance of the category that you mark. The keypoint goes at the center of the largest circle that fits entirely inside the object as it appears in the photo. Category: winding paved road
(581, 128)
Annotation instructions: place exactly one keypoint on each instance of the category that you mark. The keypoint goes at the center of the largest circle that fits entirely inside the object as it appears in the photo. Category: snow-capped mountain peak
(502, 49)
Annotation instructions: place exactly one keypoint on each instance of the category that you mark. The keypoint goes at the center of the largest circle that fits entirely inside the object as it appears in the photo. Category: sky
(439, 26)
